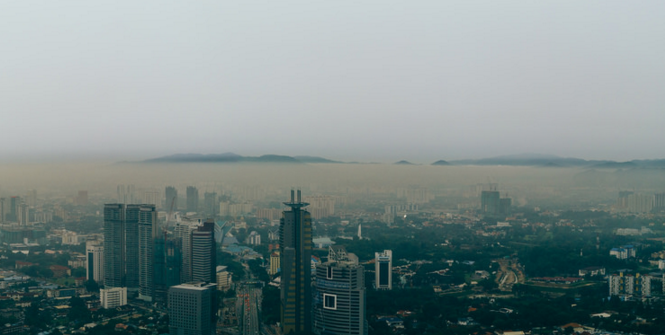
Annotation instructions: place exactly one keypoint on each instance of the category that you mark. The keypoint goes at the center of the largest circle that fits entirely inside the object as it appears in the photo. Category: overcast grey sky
(364, 80)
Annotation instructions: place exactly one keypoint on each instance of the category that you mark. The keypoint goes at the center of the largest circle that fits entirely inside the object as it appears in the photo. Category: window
(330, 272)
(329, 301)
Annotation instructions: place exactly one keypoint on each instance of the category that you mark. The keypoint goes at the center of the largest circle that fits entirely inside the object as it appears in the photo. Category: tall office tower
(3, 209)
(31, 198)
(23, 214)
(204, 253)
(490, 202)
(211, 205)
(82, 198)
(171, 201)
(126, 194)
(173, 261)
(132, 214)
(192, 309)
(339, 295)
(504, 205)
(183, 233)
(160, 289)
(147, 232)
(622, 202)
(94, 257)
(192, 199)
(295, 242)
(659, 201)
(114, 245)
(383, 266)
(150, 196)
(14, 201)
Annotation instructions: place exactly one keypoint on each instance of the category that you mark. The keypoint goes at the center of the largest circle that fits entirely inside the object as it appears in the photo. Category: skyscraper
(23, 214)
(94, 257)
(3, 209)
(14, 201)
(211, 205)
(173, 261)
(183, 233)
(126, 194)
(339, 295)
(114, 245)
(192, 199)
(383, 266)
(192, 309)
(490, 202)
(295, 235)
(147, 232)
(132, 214)
(204, 253)
(160, 289)
(171, 198)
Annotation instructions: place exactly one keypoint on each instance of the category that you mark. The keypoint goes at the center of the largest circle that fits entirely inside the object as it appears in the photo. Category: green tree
(91, 286)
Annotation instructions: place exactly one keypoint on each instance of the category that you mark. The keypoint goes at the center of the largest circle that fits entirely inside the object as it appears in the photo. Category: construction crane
(168, 217)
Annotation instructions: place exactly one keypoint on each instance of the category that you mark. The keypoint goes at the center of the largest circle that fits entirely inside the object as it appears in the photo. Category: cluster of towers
(144, 257)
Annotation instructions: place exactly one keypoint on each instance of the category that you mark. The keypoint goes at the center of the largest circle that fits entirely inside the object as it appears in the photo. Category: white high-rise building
(94, 257)
(383, 263)
(113, 297)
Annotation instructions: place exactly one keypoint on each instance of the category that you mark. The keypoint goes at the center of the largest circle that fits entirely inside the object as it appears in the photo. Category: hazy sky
(363, 80)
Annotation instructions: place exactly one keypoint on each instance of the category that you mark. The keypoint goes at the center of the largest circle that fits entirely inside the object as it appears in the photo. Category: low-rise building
(113, 297)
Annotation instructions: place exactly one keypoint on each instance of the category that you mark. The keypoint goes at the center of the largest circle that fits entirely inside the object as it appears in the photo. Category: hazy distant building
(114, 245)
(171, 201)
(490, 202)
(204, 253)
(94, 256)
(659, 201)
(320, 206)
(113, 297)
(4, 209)
(383, 268)
(192, 308)
(31, 198)
(210, 204)
(192, 199)
(23, 214)
(81, 198)
(640, 203)
(339, 295)
(414, 194)
(296, 251)
(269, 213)
(12, 215)
(151, 197)
(126, 194)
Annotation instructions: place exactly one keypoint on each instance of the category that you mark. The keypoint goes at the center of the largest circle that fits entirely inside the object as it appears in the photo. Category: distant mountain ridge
(534, 160)
(555, 161)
